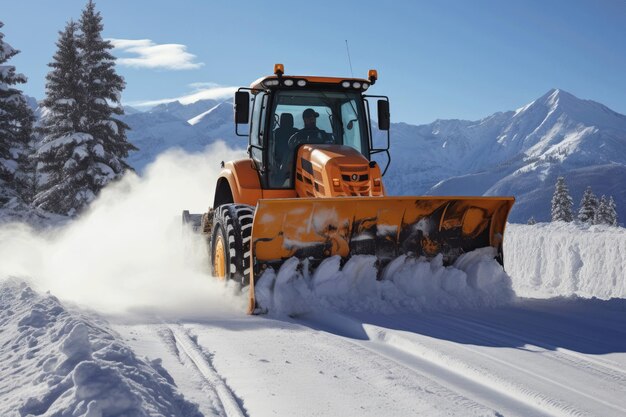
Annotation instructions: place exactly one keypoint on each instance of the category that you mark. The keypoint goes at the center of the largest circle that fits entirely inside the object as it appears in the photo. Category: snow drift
(61, 363)
(562, 259)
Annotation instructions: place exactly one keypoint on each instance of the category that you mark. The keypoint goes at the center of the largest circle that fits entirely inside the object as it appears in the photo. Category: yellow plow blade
(387, 227)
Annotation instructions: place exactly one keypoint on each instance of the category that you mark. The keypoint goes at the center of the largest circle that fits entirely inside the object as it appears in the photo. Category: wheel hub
(219, 258)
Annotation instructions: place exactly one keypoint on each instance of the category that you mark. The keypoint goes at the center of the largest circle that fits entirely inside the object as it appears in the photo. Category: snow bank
(406, 284)
(129, 252)
(562, 259)
(61, 363)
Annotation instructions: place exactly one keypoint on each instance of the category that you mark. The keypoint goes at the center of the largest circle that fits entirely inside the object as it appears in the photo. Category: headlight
(366, 86)
(270, 83)
(301, 83)
(345, 84)
(288, 83)
(356, 84)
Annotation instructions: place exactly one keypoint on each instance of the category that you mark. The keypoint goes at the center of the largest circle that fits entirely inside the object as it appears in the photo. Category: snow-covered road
(537, 357)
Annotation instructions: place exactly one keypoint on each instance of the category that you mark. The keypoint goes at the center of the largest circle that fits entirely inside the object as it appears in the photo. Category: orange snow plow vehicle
(312, 189)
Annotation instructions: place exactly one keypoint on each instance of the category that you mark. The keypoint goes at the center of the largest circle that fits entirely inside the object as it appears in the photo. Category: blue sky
(436, 59)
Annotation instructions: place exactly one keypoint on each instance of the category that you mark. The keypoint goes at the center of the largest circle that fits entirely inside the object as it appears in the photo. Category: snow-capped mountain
(519, 153)
(218, 120)
(191, 127)
(131, 110)
(185, 111)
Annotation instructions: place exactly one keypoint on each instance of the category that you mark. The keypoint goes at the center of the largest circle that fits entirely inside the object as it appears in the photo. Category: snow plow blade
(387, 227)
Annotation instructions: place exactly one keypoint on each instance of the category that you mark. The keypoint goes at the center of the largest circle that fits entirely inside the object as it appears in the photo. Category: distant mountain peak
(196, 119)
(557, 97)
(184, 111)
(560, 103)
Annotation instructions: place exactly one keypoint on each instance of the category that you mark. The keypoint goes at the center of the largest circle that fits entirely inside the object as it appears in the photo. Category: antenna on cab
(349, 60)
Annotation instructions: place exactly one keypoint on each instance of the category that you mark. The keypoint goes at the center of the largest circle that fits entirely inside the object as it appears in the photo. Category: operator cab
(289, 111)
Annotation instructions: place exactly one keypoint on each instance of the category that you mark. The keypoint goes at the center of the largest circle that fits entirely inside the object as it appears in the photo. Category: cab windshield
(326, 117)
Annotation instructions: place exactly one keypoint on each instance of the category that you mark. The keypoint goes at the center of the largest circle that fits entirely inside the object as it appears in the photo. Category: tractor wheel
(230, 242)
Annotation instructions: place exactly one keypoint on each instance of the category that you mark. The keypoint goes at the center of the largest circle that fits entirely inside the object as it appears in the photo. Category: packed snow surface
(529, 359)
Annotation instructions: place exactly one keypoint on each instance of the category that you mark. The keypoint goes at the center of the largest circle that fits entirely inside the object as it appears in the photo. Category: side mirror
(242, 107)
(383, 115)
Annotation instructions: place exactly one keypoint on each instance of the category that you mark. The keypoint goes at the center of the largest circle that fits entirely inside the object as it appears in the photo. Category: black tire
(233, 223)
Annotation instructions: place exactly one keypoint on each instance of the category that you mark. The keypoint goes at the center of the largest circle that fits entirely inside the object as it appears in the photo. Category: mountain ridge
(516, 152)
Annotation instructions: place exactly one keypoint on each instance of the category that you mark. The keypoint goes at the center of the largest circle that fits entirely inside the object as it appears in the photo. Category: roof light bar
(270, 83)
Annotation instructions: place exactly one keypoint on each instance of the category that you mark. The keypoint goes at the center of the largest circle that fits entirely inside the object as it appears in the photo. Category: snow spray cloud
(129, 252)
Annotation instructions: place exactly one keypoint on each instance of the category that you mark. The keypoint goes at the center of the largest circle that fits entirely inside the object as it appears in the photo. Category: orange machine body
(334, 203)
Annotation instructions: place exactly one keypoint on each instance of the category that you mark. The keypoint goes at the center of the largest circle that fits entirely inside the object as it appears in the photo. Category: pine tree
(27, 175)
(16, 122)
(532, 220)
(603, 214)
(85, 145)
(562, 202)
(63, 156)
(588, 206)
(103, 87)
(612, 212)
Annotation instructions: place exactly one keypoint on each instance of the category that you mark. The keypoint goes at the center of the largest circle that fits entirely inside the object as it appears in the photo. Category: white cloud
(203, 85)
(214, 92)
(151, 55)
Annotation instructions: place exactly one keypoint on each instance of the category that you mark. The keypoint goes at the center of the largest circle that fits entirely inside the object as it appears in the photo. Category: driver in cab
(310, 133)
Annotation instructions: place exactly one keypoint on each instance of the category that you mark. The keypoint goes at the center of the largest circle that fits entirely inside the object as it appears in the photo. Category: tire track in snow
(191, 349)
(490, 378)
(477, 374)
(603, 368)
(495, 379)
(448, 377)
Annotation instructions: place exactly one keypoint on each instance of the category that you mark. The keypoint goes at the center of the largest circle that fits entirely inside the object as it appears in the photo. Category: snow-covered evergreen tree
(532, 220)
(102, 88)
(562, 202)
(63, 156)
(16, 122)
(612, 212)
(603, 214)
(27, 175)
(85, 145)
(588, 206)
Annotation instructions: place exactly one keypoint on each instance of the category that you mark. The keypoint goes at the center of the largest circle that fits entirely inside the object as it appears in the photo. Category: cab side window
(257, 122)
(350, 124)
(257, 127)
